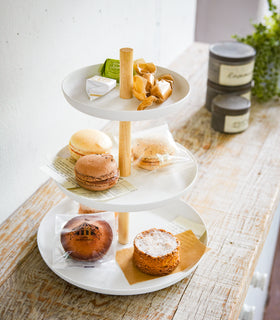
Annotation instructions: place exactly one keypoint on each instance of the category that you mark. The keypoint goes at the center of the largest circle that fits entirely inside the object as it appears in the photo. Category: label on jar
(236, 75)
(235, 124)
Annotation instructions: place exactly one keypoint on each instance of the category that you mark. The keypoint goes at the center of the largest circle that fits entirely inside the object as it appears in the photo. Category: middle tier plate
(154, 189)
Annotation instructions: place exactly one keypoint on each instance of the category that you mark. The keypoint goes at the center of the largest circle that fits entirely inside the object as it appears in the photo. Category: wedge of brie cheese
(98, 86)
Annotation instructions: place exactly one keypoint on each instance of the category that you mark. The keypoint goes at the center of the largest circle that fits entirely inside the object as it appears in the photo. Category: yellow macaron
(89, 141)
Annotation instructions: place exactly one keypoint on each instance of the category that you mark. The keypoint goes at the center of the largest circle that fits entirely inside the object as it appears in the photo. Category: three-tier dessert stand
(156, 201)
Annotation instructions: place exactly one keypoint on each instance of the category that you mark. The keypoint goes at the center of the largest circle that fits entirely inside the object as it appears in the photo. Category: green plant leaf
(266, 41)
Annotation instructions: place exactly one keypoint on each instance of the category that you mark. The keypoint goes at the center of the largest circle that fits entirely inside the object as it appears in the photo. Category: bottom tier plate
(109, 279)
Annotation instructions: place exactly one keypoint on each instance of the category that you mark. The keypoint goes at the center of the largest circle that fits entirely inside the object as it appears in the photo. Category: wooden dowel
(125, 169)
(126, 73)
(125, 148)
(126, 84)
(123, 227)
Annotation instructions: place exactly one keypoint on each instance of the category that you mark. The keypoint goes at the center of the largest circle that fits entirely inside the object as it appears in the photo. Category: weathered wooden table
(236, 193)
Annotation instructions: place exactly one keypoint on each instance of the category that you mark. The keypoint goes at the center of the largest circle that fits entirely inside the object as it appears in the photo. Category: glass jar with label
(231, 63)
(230, 114)
(214, 89)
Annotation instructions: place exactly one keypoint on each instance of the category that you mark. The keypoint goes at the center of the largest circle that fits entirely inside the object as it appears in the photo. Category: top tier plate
(111, 106)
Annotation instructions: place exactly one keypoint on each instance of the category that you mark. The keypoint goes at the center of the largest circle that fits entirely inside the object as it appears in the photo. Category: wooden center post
(126, 84)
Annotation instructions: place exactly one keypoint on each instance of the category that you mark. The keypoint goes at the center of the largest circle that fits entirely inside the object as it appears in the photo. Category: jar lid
(230, 105)
(219, 87)
(232, 51)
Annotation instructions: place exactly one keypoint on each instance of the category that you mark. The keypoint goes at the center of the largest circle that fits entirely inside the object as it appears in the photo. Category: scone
(89, 141)
(156, 252)
(97, 172)
(86, 238)
(152, 153)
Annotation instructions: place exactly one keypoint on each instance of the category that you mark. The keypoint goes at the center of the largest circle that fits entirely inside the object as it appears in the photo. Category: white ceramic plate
(154, 189)
(111, 106)
(109, 279)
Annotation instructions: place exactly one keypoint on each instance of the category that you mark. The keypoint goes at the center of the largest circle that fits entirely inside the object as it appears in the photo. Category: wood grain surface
(236, 193)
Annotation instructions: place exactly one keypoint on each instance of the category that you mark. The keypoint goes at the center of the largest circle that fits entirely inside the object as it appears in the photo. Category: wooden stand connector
(124, 148)
(126, 73)
(125, 169)
(123, 227)
(126, 83)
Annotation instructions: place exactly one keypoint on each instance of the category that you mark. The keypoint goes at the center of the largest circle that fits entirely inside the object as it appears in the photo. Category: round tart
(86, 238)
(156, 252)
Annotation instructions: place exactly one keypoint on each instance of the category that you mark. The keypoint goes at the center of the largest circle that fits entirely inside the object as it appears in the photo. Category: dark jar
(230, 114)
(214, 89)
(231, 63)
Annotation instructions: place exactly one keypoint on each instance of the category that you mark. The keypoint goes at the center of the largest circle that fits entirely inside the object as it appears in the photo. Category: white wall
(218, 20)
(40, 43)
